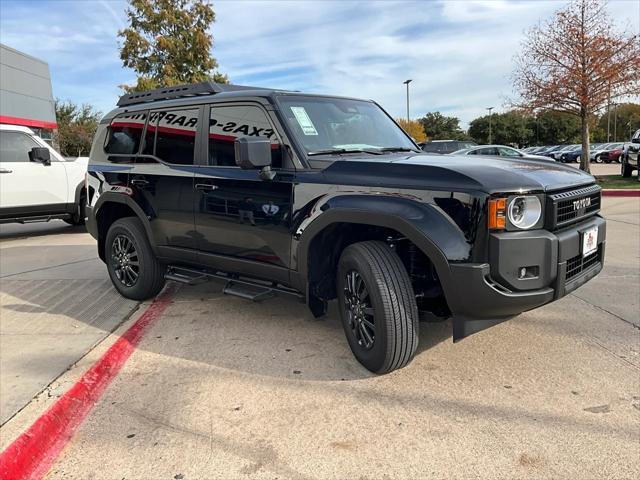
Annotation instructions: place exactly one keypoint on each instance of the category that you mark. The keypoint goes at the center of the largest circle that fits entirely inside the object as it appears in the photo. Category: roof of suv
(198, 93)
(16, 128)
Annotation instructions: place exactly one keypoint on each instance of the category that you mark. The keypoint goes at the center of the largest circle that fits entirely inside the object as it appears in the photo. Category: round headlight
(524, 212)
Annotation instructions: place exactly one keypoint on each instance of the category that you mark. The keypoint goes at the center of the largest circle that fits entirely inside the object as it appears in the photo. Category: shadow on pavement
(9, 231)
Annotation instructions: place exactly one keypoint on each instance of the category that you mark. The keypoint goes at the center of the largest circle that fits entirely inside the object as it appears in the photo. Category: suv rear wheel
(134, 269)
(377, 306)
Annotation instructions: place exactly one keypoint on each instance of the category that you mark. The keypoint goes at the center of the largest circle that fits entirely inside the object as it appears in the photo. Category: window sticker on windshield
(304, 121)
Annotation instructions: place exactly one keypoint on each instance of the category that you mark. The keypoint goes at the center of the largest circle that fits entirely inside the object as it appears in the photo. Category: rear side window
(171, 135)
(123, 137)
(226, 123)
(15, 146)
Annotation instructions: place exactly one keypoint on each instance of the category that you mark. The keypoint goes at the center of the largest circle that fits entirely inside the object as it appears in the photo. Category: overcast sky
(458, 53)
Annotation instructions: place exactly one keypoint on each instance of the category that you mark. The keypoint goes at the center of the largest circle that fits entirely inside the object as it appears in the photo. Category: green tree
(622, 120)
(552, 128)
(76, 128)
(440, 127)
(509, 128)
(168, 43)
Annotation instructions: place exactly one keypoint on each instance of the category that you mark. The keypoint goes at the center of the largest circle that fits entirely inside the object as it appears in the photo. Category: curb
(621, 193)
(33, 453)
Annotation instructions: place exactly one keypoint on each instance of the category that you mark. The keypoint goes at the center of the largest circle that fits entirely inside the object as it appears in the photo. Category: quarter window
(15, 146)
(171, 135)
(226, 123)
(123, 139)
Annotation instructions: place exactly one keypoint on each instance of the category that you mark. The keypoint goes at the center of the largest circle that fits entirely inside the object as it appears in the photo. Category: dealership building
(26, 97)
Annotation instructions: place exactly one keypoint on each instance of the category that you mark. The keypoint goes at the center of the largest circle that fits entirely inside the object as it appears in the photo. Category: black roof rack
(180, 91)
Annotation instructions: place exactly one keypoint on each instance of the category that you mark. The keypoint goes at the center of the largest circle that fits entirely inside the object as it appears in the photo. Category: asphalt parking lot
(223, 388)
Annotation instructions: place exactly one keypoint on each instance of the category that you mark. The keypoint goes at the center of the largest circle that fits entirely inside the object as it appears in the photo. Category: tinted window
(488, 151)
(226, 123)
(123, 138)
(15, 146)
(437, 147)
(175, 135)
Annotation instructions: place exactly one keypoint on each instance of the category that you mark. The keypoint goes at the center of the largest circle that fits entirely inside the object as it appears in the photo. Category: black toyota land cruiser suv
(323, 198)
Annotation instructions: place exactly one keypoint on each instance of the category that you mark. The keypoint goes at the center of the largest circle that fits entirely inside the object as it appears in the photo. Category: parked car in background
(596, 150)
(36, 183)
(539, 150)
(446, 146)
(629, 161)
(550, 149)
(572, 155)
(557, 154)
(612, 153)
(499, 151)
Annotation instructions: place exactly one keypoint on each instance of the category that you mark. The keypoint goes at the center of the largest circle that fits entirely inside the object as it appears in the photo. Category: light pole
(407, 82)
(489, 108)
(615, 122)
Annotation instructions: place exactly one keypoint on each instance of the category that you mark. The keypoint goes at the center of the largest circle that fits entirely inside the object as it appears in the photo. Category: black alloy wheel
(124, 260)
(360, 312)
(134, 269)
(377, 306)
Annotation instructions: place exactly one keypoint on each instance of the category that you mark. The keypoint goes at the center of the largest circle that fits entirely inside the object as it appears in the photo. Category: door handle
(205, 187)
(140, 182)
(5, 170)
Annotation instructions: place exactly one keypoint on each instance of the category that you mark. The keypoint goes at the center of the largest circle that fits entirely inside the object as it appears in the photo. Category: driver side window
(229, 122)
(15, 146)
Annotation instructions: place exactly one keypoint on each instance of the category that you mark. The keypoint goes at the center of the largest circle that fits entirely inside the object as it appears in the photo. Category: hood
(457, 173)
(503, 174)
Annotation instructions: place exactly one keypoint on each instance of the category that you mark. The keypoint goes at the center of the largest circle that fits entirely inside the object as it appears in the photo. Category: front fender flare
(428, 227)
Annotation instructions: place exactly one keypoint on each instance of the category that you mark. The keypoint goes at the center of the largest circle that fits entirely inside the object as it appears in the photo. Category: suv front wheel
(134, 269)
(377, 306)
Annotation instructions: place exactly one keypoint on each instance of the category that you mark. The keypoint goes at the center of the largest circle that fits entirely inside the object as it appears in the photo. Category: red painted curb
(33, 453)
(621, 193)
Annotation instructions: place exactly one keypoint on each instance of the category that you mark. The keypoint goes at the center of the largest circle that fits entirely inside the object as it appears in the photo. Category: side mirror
(254, 153)
(41, 155)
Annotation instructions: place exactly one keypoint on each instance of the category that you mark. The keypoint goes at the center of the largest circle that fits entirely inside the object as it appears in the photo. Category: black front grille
(579, 264)
(574, 205)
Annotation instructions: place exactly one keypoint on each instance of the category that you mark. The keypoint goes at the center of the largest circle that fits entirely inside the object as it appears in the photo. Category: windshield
(326, 126)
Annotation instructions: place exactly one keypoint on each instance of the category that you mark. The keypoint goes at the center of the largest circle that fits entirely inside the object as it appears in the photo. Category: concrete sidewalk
(56, 304)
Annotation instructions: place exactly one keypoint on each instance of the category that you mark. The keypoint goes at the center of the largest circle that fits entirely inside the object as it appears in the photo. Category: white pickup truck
(36, 183)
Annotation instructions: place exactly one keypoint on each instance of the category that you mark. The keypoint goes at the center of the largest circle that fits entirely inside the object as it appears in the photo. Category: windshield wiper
(398, 149)
(338, 151)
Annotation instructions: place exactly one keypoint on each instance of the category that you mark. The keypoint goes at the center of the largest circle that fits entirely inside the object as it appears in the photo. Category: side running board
(248, 288)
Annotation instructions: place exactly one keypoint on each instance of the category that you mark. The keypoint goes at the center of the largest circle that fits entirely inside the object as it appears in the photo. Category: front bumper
(487, 293)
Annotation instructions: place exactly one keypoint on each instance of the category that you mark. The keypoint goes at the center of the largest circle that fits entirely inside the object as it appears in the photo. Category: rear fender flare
(112, 197)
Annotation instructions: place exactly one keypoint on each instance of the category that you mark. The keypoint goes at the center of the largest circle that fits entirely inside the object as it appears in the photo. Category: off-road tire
(151, 271)
(625, 169)
(391, 295)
